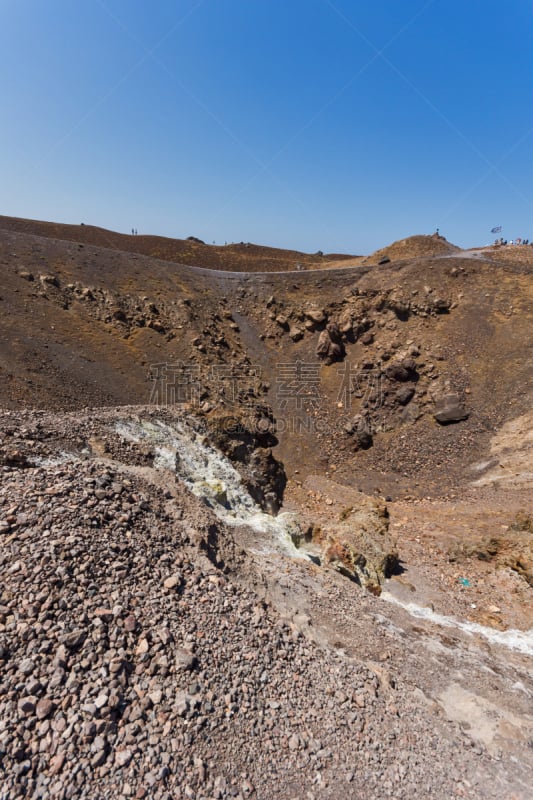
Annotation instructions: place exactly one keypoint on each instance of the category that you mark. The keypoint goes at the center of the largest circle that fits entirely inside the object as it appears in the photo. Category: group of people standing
(519, 240)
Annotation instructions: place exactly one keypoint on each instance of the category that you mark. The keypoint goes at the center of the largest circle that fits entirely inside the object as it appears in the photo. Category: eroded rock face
(359, 544)
(247, 442)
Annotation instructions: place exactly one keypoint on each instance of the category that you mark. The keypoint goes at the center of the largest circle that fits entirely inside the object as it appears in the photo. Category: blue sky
(314, 124)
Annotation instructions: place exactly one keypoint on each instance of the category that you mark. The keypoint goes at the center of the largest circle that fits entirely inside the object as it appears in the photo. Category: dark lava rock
(404, 395)
(397, 372)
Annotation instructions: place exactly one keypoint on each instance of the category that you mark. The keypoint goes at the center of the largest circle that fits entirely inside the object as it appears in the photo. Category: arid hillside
(266, 532)
(383, 347)
(236, 257)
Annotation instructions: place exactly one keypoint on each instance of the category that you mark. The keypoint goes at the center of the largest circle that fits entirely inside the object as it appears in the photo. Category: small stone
(98, 759)
(33, 686)
(184, 659)
(172, 581)
(104, 614)
(130, 623)
(26, 666)
(115, 665)
(74, 639)
(89, 729)
(101, 701)
(57, 678)
(165, 635)
(56, 763)
(294, 742)
(123, 757)
(98, 744)
(26, 705)
(44, 708)
(181, 704)
(142, 647)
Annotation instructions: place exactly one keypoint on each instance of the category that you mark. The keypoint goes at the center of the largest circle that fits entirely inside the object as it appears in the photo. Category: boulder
(324, 342)
(411, 413)
(399, 305)
(397, 372)
(296, 333)
(449, 408)
(346, 323)
(330, 347)
(441, 305)
(402, 370)
(359, 427)
(359, 544)
(50, 280)
(315, 315)
(404, 395)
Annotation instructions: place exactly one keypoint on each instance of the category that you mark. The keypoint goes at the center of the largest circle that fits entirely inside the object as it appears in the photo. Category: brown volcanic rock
(450, 408)
(350, 532)
(330, 346)
(359, 545)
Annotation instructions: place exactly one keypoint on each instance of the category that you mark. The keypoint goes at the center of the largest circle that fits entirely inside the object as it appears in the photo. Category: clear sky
(336, 125)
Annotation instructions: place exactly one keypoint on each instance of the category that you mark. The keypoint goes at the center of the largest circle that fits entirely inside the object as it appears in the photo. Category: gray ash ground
(136, 662)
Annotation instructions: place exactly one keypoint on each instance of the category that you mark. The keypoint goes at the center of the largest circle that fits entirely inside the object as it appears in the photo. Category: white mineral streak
(208, 474)
(521, 641)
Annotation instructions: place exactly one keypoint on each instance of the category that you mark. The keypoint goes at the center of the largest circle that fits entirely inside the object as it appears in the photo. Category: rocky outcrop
(247, 441)
(330, 347)
(356, 543)
(359, 545)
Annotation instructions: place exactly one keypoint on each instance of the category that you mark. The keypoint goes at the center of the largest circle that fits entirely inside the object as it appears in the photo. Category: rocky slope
(237, 257)
(149, 650)
(160, 635)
